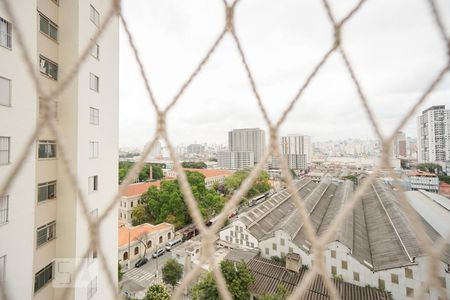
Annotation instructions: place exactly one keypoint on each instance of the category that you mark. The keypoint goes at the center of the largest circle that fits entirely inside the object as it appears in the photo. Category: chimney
(293, 262)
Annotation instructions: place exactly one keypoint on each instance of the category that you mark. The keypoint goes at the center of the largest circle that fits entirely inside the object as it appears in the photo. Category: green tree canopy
(157, 292)
(172, 272)
(166, 204)
(139, 215)
(194, 165)
(430, 167)
(237, 276)
(280, 294)
(234, 181)
(144, 174)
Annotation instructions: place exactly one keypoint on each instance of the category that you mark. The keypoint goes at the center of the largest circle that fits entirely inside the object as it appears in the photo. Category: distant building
(434, 134)
(235, 160)
(424, 181)
(131, 198)
(247, 139)
(400, 144)
(211, 176)
(132, 240)
(195, 149)
(297, 149)
(156, 151)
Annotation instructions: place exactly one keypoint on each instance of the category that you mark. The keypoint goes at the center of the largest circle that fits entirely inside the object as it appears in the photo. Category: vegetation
(234, 181)
(278, 259)
(194, 164)
(430, 167)
(166, 204)
(172, 272)
(237, 276)
(157, 292)
(280, 294)
(120, 272)
(129, 154)
(338, 277)
(144, 174)
(444, 178)
(352, 178)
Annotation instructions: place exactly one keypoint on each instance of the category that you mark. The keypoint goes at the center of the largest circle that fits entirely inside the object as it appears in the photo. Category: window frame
(50, 234)
(9, 91)
(92, 287)
(47, 73)
(95, 54)
(4, 210)
(8, 34)
(93, 149)
(96, 78)
(94, 119)
(47, 185)
(47, 280)
(94, 187)
(7, 151)
(49, 23)
(50, 143)
(94, 15)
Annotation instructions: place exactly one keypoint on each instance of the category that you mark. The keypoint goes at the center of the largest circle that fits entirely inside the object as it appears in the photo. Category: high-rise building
(234, 160)
(434, 134)
(247, 139)
(42, 224)
(400, 144)
(297, 149)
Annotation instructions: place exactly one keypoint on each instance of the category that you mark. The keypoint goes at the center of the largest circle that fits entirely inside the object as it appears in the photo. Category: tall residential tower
(43, 228)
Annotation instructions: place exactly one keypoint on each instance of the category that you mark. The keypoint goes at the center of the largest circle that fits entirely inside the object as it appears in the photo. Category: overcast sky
(394, 46)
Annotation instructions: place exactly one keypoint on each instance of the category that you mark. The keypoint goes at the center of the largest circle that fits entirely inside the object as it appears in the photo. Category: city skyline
(220, 99)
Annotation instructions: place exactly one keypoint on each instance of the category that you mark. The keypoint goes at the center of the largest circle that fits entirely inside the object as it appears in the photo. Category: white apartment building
(424, 181)
(42, 225)
(248, 139)
(297, 149)
(235, 160)
(434, 134)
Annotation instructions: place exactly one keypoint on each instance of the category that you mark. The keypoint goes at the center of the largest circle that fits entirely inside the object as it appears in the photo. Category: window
(394, 278)
(47, 149)
(92, 255)
(5, 91)
(291, 250)
(344, 265)
(333, 270)
(274, 246)
(169, 235)
(281, 242)
(47, 27)
(160, 239)
(149, 244)
(46, 233)
(53, 107)
(4, 150)
(4, 203)
(252, 245)
(267, 251)
(2, 268)
(5, 33)
(48, 68)
(125, 255)
(136, 250)
(442, 282)
(355, 276)
(93, 149)
(92, 288)
(93, 82)
(333, 253)
(93, 116)
(94, 16)
(408, 273)
(409, 292)
(95, 51)
(93, 183)
(46, 191)
(43, 277)
(381, 284)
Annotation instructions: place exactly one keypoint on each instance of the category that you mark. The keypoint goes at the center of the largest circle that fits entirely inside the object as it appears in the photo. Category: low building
(212, 176)
(376, 245)
(424, 181)
(131, 198)
(135, 240)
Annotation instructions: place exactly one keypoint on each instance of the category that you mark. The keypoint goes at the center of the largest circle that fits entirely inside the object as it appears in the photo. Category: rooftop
(421, 173)
(137, 189)
(210, 172)
(132, 233)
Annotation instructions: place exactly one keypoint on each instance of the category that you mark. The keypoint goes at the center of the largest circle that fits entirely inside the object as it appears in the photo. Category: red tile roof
(137, 189)
(210, 172)
(133, 233)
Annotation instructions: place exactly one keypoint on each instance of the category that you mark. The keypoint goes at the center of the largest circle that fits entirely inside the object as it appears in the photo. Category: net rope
(318, 243)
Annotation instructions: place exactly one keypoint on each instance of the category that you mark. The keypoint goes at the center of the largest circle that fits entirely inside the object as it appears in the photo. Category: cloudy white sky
(394, 46)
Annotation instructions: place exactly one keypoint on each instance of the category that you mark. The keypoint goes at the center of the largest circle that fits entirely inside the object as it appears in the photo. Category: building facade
(424, 181)
(297, 149)
(248, 139)
(131, 198)
(235, 160)
(434, 134)
(41, 206)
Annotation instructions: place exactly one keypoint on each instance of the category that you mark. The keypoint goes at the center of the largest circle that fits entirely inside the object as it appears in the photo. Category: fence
(208, 233)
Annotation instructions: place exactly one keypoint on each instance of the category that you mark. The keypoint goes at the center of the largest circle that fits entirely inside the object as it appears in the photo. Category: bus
(258, 199)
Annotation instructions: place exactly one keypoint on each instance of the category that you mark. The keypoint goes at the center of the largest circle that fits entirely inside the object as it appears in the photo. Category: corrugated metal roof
(269, 275)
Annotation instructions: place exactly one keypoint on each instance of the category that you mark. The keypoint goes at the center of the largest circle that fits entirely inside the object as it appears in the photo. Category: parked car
(173, 243)
(141, 262)
(158, 252)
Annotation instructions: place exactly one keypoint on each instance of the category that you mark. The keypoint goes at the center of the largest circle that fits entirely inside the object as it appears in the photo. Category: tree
(352, 178)
(194, 165)
(143, 239)
(172, 272)
(430, 167)
(234, 181)
(444, 178)
(237, 276)
(157, 172)
(157, 292)
(120, 272)
(280, 294)
(139, 215)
